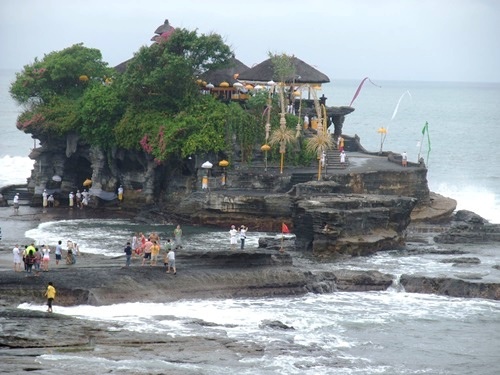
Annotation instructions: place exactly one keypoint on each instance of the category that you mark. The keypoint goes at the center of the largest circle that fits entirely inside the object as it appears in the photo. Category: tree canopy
(155, 105)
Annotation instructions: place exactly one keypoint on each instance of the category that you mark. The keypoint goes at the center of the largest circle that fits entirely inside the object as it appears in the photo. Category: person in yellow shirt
(50, 294)
(155, 251)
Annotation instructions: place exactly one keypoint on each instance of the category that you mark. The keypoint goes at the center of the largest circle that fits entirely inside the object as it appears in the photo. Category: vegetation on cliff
(155, 106)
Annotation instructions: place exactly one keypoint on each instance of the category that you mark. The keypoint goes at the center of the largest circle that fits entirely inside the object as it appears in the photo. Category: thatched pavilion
(224, 82)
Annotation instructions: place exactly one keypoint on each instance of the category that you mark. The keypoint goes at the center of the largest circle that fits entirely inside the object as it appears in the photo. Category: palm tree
(322, 141)
(283, 136)
(283, 68)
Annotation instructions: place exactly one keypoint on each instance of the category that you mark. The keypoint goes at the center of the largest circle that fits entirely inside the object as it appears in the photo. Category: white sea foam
(478, 199)
(14, 170)
(362, 328)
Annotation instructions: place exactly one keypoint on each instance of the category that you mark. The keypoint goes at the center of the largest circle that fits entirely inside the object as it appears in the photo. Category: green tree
(101, 109)
(63, 73)
(163, 75)
(52, 89)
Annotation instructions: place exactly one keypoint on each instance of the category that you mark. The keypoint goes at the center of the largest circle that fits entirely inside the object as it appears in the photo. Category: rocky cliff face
(353, 213)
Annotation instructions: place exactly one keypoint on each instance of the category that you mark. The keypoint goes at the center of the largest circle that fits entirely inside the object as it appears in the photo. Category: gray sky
(427, 40)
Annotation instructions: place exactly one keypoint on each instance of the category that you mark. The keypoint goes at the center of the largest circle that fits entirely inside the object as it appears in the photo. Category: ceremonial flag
(425, 129)
(284, 228)
(359, 89)
(399, 102)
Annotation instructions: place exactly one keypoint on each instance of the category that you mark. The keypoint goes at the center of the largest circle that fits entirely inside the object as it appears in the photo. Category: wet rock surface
(468, 227)
(28, 338)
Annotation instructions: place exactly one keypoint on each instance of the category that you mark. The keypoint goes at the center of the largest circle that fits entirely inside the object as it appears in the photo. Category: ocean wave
(15, 170)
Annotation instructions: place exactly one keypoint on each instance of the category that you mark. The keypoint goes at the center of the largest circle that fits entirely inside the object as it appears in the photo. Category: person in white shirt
(71, 197)
(17, 258)
(243, 236)
(16, 203)
(171, 261)
(45, 199)
(232, 234)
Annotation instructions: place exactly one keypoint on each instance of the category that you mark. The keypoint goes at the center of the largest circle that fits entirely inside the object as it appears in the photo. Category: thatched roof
(264, 72)
(226, 74)
(121, 67)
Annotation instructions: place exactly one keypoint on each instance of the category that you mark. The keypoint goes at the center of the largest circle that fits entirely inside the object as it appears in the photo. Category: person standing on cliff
(128, 254)
(232, 237)
(51, 295)
(404, 159)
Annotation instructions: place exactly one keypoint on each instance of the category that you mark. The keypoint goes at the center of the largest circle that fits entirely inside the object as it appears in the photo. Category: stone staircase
(333, 160)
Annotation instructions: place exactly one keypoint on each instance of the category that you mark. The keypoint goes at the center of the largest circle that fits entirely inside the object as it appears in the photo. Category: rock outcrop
(468, 227)
(354, 211)
(452, 287)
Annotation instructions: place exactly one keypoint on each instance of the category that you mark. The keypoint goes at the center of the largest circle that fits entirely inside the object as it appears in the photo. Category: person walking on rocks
(171, 261)
(178, 236)
(58, 252)
(147, 252)
(45, 258)
(37, 261)
(168, 247)
(16, 203)
(243, 236)
(50, 293)
(134, 241)
(17, 258)
(155, 251)
(232, 237)
(30, 258)
(128, 254)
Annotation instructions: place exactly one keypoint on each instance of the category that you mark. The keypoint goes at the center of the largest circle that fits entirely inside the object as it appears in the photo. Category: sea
(390, 332)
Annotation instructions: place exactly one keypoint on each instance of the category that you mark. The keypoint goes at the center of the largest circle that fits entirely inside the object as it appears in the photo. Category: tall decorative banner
(425, 129)
(359, 89)
(399, 102)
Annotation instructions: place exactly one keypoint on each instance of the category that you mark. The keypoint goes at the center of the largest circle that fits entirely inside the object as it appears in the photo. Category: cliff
(355, 209)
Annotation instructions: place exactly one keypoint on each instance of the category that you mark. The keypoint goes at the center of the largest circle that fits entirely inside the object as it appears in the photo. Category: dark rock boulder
(468, 227)
(450, 287)
(275, 324)
(351, 224)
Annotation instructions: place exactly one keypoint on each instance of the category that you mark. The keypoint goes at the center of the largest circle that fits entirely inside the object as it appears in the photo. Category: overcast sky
(428, 40)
